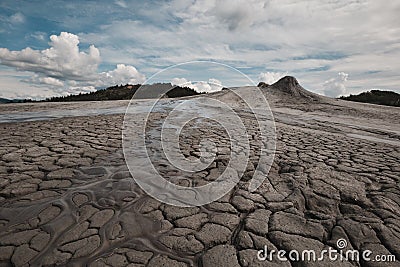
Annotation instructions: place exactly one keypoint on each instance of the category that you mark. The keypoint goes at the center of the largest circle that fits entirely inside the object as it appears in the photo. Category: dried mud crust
(67, 197)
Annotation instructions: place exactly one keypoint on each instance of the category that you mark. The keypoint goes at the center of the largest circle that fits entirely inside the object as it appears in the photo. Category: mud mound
(289, 86)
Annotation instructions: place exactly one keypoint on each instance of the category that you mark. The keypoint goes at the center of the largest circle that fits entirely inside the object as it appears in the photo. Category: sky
(333, 47)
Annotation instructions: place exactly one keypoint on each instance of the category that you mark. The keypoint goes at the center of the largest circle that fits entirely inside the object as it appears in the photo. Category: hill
(4, 100)
(126, 92)
(289, 88)
(16, 100)
(387, 98)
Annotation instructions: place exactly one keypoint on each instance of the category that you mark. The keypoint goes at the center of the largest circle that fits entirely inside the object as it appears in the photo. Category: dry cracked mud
(67, 197)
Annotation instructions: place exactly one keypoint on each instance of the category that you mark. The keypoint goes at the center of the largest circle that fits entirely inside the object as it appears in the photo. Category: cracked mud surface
(67, 197)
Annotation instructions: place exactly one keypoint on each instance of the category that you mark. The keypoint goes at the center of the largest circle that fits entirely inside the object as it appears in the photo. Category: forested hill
(125, 92)
(379, 97)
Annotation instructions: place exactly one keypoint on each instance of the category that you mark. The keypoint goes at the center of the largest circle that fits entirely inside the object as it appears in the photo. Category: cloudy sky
(332, 47)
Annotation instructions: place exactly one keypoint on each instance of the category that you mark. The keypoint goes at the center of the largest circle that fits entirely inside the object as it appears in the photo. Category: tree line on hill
(379, 97)
(122, 92)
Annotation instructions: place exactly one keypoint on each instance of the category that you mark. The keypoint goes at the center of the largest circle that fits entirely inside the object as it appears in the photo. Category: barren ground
(67, 197)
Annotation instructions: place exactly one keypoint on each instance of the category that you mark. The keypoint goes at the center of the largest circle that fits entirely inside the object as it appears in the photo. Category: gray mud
(67, 197)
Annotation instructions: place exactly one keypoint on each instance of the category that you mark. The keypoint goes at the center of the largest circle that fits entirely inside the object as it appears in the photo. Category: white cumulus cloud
(336, 86)
(270, 77)
(62, 60)
(121, 75)
(212, 85)
(64, 65)
(53, 82)
(181, 82)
